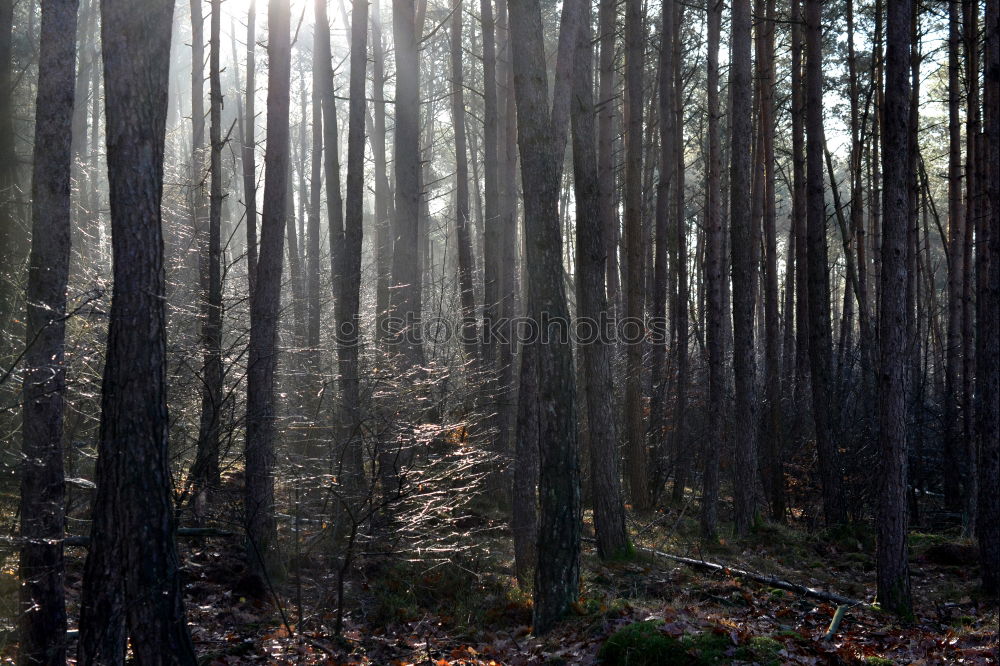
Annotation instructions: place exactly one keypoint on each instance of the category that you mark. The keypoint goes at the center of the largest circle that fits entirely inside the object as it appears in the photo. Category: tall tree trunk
(607, 18)
(744, 271)
(249, 149)
(866, 331)
(680, 447)
(313, 306)
(297, 282)
(12, 246)
(466, 261)
(818, 278)
(954, 464)
(525, 449)
(799, 207)
(42, 624)
(524, 504)
(492, 266)
(592, 304)
(988, 356)
(133, 519)
(196, 254)
(973, 213)
(206, 468)
(331, 156)
(383, 195)
(265, 305)
(405, 297)
(349, 298)
(541, 141)
(658, 313)
(774, 474)
(635, 434)
(714, 263)
(891, 552)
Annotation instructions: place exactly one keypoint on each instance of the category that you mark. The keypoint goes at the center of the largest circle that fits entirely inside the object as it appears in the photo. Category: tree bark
(818, 278)
(12, 246)
(893, 575)
(973, 213)
(383, 194)
(988, 356)
(405, 297)
(466, 261)
(557, 575)
(266, 303)
(492, 266)
(715, 336)
(774, 474)
(131, 573)
(635, 433)
(953, 449)
(680, 446)
(42, 623)
(524, 500)
(744, 271)
(349, 298)
(607, 19)
(592, 304)
(667, 162)
(799, 206)
(249, 150)
(205, 473)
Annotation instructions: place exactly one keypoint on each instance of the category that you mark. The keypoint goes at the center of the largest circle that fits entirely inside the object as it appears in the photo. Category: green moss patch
(646, 644)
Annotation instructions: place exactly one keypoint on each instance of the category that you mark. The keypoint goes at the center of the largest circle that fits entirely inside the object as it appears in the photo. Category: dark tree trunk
(311, 241)
(133, 519)
(607, 18)
(818, 278)
(658, 313)
(265, 305)
(205, 473)
(42, 624)
(866, 330)
(953, 449)
(744, 270)
(973, 179)
(491, 177)
(12, 245)
(891, 552)
(383, 195)
(799, 207)
(349, 298)
(591, 249)
(715, 259)
(524, 500)
(635, 432)
(195, 257)
(510, 280)
(405, 297)
(680, 446)
(557, 575)
(774, 472)
(466, 261)
(249, 148)
(988, 356)
(331, 156)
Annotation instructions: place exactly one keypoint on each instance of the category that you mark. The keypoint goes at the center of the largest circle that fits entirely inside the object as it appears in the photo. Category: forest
(454, 332)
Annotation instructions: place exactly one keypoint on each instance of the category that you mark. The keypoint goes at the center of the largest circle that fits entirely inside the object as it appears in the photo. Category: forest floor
(469, 610)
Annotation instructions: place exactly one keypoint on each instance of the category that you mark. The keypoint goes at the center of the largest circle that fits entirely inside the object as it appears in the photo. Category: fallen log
(773, 581)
